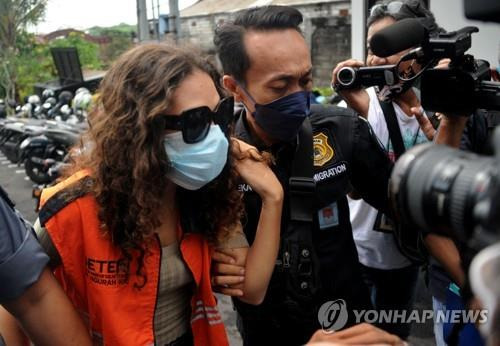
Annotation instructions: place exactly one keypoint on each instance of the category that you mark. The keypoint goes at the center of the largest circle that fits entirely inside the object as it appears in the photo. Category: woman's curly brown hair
(124, 151)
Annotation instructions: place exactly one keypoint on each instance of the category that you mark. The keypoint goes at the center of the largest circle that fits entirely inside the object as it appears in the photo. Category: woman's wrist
(272, 198)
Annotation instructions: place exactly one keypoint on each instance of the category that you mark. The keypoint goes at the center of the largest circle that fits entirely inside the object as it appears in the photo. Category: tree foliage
(120, 41)
(88, 52)
(15, 15)
(24, 60)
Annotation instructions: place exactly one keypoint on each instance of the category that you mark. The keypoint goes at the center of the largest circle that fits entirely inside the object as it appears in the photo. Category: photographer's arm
(370, 167)
(443, 249)
(450, 130)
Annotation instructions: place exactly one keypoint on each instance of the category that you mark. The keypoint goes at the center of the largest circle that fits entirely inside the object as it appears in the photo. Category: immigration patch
(323, 152)
(331, 172)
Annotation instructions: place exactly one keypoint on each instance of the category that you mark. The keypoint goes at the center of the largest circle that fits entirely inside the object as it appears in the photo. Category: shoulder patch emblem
(323, 152)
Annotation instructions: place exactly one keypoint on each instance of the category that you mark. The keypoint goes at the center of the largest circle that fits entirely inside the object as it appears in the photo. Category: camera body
(459, 90)
(460, 87)
(354, 78)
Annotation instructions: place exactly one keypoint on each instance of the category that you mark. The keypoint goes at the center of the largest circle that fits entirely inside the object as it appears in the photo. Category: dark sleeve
(22, 260)
(475, 137)
(370, 166)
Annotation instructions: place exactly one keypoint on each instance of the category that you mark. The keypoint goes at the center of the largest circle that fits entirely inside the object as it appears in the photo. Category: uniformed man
(267, 67)
(28, 290)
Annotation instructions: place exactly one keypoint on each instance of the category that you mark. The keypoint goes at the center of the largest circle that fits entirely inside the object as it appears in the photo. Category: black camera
(461, 88)
(353, 78)
(438, 189)
(465, 86)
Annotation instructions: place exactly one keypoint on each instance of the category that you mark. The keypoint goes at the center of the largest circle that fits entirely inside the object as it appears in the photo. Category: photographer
(400, 123)
(28, 289)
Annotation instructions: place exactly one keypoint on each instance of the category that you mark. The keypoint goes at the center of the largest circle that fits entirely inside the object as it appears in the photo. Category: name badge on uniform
(328, 216)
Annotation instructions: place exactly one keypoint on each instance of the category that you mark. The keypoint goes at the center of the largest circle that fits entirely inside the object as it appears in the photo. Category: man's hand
(360, 334)
(357, 99)
(227, 274)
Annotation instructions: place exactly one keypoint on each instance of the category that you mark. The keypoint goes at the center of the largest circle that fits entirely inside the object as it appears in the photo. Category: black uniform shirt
(346, 155)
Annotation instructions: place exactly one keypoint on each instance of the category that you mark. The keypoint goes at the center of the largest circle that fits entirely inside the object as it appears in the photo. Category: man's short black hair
(229, 36)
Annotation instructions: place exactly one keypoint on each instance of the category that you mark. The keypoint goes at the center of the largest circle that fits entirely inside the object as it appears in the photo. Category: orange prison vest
(93, 273)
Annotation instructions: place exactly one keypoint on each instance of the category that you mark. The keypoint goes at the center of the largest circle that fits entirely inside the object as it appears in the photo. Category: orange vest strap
(64, 197)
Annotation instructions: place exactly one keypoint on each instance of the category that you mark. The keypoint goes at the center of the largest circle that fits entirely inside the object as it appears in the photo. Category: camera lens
(346, 76)
(443, 190)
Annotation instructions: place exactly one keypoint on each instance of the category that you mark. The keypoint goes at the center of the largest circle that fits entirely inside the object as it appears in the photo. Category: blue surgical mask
(195, 165)
(282, 118)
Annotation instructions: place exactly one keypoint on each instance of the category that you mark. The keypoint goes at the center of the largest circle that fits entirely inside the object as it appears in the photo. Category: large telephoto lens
(445, 190)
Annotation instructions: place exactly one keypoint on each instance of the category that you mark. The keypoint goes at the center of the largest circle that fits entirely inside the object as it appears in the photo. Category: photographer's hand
(357, 99)
(444, 250)
(424, 122)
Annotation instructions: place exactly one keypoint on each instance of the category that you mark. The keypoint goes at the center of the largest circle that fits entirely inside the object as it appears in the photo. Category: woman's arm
(46, 314)
(259, 259)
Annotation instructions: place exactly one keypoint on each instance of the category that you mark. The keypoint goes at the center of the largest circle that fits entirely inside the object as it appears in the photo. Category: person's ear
(233, 87)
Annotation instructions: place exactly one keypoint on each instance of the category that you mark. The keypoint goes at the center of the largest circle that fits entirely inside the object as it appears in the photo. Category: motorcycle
(43, 152)
(13, 133)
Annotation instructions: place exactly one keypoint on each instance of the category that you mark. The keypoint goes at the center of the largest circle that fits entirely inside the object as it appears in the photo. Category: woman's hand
(254, 169)
(357, 99)
(260, 258)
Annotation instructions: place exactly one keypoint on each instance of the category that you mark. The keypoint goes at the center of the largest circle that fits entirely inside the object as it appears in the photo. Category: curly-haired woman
(154, 190)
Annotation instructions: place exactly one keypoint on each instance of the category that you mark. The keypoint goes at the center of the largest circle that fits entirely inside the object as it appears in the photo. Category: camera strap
(393, 127)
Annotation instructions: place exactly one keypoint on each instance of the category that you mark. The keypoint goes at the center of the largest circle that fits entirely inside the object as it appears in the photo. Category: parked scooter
(41, 153)
(14, 132)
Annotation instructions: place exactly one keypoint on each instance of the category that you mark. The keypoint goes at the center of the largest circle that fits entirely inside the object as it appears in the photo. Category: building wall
(326, 28)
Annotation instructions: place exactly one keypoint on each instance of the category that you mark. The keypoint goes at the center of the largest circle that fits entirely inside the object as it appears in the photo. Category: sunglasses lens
(196, 126)
(390, 8)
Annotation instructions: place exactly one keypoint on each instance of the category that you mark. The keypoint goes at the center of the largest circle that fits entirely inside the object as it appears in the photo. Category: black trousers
(392, 289)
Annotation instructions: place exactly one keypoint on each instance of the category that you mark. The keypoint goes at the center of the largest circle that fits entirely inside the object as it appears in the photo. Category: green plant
(325, 91)
(15, 15)
(87, 51)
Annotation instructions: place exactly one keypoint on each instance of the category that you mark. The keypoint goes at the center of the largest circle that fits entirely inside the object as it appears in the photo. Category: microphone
(404, 34)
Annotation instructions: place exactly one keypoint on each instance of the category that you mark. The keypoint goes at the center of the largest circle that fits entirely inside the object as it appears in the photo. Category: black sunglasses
(390, 8)
(195, 123)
